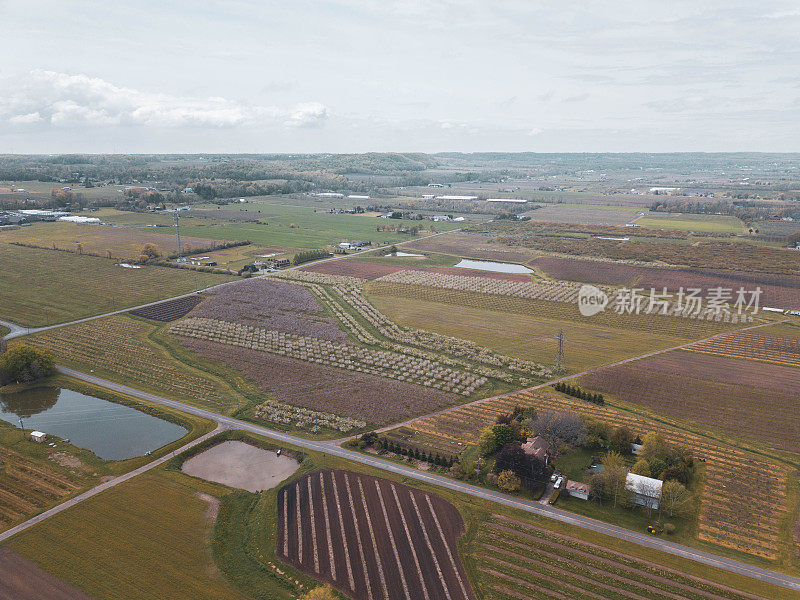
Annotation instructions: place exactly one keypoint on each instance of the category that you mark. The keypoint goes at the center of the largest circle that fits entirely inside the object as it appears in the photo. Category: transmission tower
(559, 362)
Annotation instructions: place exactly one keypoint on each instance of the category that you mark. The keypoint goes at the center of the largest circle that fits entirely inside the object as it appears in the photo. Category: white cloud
(309, 114)
(62, 99)
(25, 119)
(535, 131)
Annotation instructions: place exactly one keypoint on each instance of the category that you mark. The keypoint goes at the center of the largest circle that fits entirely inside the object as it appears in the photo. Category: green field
(530, 337)
(699, 223)
(42, 287)
(156, 532)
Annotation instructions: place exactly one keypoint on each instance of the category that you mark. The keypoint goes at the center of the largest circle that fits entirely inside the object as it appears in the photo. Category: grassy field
(529, 337)
(699, 223)
(43, 287)
(590, 214)
(100, 240)
(155, 531)
(147, 538)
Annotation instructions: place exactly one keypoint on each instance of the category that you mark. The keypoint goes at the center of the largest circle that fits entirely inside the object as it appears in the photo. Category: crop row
(305, 418)
(114, 346)
(528, 551)
(727, 469)
(415, 342)
(754, 347)
(313, 277)
(563, 292)
(425, 372)
(441, 343)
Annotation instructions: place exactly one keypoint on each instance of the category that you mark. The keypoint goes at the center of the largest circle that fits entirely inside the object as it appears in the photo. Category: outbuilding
(576, 489)
(38, 436)
(645, 491)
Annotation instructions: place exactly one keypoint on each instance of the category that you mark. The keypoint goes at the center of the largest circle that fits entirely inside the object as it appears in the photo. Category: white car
(558, 483)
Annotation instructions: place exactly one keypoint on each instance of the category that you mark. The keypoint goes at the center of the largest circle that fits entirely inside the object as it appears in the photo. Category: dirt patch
(240, 465)
(371, 537)
(21, 579)
(68, 460)
(213, 506)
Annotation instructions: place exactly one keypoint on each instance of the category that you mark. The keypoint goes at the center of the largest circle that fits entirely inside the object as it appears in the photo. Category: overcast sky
(426, 75)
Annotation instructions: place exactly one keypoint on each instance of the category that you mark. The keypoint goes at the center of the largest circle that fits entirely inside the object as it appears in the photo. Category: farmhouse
(645, 491)
(538, 447)
(38, 436)
(579, 490)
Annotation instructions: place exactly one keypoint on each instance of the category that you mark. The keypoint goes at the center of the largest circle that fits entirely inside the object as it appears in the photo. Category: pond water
(487, 265)
(110, 430)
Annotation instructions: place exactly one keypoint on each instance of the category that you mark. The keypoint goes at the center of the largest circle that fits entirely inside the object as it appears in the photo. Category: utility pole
(559, 362)
(22, 426)
(177, 218)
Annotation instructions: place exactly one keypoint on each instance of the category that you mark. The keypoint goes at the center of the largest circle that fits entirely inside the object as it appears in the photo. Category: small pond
(112, 431)
(499, 267)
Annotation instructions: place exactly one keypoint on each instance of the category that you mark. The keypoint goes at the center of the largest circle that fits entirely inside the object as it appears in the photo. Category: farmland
(155, 529)
(753, 346)
(99, 240)
(740, 397)
(667, 325)
(411, 552)
(529, 337)
(119, 348)
(359, 396)
(22, 578)
(591, 214)
(780, 291)
(54, 287)
(169, 310)
(725, 520)
(697, 223)
(517, 559)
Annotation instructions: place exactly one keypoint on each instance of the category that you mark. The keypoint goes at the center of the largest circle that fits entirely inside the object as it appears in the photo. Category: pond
(112, 431)
(499, 267)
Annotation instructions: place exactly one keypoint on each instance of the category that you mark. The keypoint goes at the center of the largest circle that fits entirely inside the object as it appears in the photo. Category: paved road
(104, 486)
(18, 330)
(551, 512)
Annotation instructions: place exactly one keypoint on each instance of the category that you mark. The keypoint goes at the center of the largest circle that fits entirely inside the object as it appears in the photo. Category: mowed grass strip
(144, 539)
(43, 287)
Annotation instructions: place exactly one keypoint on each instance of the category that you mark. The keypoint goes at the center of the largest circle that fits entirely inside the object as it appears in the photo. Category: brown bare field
(779, 291)
(743, 398)
(276, 305)
(171, 310)
(370, 398)
(123, 242)
(372, 538)
(21, 579)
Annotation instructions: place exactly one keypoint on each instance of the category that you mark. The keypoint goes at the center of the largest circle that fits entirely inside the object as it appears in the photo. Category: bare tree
(560, 428)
